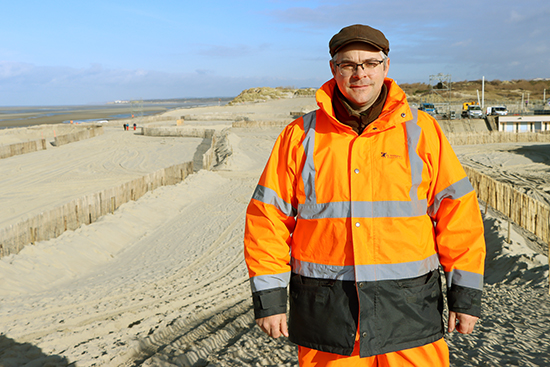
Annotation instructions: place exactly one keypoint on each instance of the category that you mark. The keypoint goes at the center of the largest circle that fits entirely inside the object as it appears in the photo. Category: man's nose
(360, 71)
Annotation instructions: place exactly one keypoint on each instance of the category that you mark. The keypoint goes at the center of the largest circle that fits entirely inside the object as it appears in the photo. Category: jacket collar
(395, 111)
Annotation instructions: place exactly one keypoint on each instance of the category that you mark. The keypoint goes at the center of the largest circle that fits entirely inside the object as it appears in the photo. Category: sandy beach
(162, 280)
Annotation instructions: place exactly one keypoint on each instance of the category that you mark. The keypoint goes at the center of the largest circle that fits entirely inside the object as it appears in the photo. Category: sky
(93, 52)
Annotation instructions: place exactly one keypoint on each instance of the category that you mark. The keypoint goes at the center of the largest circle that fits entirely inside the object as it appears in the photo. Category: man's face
(362, 88)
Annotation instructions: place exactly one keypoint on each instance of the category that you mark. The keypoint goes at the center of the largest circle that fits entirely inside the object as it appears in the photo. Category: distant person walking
(360, 204)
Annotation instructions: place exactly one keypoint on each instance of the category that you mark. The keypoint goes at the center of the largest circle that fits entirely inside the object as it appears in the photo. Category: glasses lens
(347, 69)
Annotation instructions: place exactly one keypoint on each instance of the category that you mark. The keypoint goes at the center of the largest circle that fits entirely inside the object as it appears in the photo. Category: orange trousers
(435, 354)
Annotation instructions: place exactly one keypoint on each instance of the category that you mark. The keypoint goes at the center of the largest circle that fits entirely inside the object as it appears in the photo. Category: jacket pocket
(409, 310)
(323, 314)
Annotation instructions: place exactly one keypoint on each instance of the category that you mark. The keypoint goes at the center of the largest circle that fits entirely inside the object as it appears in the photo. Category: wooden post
(509, 219)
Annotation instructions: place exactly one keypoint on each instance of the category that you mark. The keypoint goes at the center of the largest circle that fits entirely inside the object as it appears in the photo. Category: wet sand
(10, 117)
(40, 115)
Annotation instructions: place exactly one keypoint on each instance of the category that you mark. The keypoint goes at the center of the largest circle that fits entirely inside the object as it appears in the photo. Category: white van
(497, 110)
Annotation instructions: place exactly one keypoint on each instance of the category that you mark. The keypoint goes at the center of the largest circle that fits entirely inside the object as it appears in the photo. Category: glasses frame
(356, 68)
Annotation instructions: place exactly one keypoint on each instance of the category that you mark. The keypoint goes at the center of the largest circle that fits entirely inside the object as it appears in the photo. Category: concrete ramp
(463, 125)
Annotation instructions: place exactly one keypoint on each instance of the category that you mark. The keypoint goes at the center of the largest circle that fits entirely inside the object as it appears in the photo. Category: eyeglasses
(350, 68)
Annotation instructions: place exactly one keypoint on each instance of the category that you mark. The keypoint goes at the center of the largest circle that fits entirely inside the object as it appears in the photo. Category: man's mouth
(360, 86)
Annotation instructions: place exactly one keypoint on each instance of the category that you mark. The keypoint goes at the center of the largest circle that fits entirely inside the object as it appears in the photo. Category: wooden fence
(261, 123)
(182, 131)
(86, 133)
(527, 212)
(496, 137)
(10, 150)
(209, 158)
(86, 209)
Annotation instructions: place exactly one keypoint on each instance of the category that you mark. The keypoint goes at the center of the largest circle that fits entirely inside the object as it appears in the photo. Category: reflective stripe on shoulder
(308, 172)
(270, 281)
(453, 192)
(465, 279)
(269, 196)
(366, 273)
(416, 163)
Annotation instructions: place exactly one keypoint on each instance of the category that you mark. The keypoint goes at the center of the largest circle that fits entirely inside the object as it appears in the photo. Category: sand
(162, 281)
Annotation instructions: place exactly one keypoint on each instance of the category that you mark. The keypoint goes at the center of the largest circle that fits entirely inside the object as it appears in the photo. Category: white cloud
(13, 69)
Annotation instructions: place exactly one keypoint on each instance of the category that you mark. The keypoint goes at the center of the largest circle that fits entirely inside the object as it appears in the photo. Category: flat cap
(359, 33)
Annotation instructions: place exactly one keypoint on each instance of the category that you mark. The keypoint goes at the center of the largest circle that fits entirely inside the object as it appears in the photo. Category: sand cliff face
(162, 281)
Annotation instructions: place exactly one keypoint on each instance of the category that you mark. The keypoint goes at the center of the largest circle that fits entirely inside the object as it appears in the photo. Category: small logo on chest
(389, 156)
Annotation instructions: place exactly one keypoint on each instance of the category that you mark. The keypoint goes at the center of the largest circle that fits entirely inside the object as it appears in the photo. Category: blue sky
(81, 52)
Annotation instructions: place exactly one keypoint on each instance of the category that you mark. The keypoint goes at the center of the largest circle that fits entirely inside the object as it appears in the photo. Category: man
(359, 204)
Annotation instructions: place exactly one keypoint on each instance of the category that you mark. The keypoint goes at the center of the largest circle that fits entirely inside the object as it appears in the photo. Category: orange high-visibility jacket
(358, 225)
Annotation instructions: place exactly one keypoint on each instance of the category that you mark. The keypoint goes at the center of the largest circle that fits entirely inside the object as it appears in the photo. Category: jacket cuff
(270, 302)
(464, 300)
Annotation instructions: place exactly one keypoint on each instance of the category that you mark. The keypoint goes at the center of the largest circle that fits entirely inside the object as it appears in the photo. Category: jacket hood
(396, 104)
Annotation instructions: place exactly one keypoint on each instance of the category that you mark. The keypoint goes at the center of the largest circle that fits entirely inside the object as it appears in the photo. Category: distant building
(521, 124)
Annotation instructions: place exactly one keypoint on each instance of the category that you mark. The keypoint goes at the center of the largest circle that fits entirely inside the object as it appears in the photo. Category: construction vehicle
(472, 110)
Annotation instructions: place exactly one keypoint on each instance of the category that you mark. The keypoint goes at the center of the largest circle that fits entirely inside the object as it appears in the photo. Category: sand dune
(162, 281)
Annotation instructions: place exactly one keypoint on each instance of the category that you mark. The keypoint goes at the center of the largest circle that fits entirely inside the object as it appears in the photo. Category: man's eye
(371, 65)
(347, 66)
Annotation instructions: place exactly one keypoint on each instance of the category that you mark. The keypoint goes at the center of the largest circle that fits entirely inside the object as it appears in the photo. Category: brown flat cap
(359, 33)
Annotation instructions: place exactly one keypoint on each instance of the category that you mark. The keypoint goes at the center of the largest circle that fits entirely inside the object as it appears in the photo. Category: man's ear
(387, 68)
(332, 68)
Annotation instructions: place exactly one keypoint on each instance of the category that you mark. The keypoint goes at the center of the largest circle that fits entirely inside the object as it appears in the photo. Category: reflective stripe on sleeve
(465, 279)
(270, 281)
(453, 192)
(269, 196)
(366, 273)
